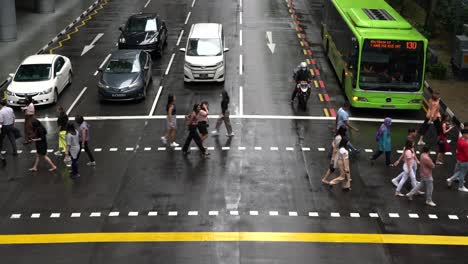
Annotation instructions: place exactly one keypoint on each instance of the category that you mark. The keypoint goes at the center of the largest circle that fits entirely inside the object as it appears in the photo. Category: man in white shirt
(7, 124)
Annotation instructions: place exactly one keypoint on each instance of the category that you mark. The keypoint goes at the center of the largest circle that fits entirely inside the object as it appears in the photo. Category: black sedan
(126, 76)
(144, 31)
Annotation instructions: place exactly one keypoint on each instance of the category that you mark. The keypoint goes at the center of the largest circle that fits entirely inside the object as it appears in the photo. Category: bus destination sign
(393, 44)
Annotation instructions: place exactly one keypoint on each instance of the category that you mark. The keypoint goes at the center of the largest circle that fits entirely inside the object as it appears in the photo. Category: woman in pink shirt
(202, 118)
(410, 159)
(426, 177)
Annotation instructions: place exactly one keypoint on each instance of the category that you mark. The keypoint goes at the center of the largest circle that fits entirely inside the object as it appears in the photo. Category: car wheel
(70, 78)
(55, 96)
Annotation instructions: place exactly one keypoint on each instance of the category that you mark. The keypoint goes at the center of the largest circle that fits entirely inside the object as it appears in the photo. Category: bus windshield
(391, 65)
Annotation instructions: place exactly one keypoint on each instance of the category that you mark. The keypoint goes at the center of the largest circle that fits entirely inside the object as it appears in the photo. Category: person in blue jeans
(384, 140)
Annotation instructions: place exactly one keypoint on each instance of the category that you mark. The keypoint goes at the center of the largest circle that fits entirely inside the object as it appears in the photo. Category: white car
(43, 77)
(204, 54)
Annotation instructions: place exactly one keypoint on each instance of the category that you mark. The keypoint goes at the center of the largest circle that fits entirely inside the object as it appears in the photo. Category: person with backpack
(384, 139)
(192, 124)
(41, 145)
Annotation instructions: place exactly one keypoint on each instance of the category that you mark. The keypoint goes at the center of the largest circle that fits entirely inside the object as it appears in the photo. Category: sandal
(33, 169)
(53, 169)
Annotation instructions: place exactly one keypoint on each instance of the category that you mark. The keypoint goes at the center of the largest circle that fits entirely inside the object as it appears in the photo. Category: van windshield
(204, 47)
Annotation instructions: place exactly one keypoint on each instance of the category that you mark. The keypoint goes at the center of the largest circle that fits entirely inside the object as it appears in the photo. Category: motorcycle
(303, 94)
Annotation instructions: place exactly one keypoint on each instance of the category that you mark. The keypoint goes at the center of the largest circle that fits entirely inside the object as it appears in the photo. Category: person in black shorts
(41, 145)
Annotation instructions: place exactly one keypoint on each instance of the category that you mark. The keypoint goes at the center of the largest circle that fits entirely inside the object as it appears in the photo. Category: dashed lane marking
(133, 213)
(241, 148)
(253, 213)
(187, 18)
(213, 213)
(35, 215)
(55, 215)
(75, 215)
(453, 217)
(273, 213)
(335, 214)
(433, 216)
(76, 100)
(180, 37)
(240, 37)
(292, 214)
(193, 213)
(156, 99)
(97, 149)
(234, 212)
(240, 18)
(170, 64)
(15, 216)
(393, 215)
(113, 214)
(152, 213)
(413, 216)
(95, 214)
(355, 215)
(241, 70)
(368, 150)
(274, 148)
(373, 215)
(193, 3)
(313, 214)
(147, 3)
(172, 213)
(325, 111)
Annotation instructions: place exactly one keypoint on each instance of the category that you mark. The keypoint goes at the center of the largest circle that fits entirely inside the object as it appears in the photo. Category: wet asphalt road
(272, 165)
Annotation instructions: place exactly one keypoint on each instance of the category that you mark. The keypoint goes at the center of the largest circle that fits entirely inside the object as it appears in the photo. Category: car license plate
(204, 76)
(118, 95)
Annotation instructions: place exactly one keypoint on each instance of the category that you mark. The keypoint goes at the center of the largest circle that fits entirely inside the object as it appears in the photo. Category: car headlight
(48, 91)
(10, 93)
(359, 99)
(219, 64)
(122, 40)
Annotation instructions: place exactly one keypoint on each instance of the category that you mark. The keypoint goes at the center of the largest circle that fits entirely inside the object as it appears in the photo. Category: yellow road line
(320, 97)
(308, 61)
(305, 51)
(312, 72)
(355, 238)
(315, 82)
(325, 111)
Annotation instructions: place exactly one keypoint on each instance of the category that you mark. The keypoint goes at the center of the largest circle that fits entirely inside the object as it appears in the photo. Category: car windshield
(33, 73)
(204, 47)
(391, 65)
(122, 66)
(141, 25)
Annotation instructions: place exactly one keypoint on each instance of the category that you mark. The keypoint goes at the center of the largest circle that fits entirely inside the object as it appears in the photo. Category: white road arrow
(90, 46)
(270, 43)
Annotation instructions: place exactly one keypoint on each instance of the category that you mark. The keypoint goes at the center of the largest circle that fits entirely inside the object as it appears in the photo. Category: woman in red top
(442, 141)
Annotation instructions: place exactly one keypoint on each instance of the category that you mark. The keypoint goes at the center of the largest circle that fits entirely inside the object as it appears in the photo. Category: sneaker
(215, 132)
(58, 153)
(399, 194)
(91, 163)
(395, 182)
(448, 141)
(229, 135)
(430, 203)
(174, 144)
(421, 193)
(449, 182)
(463, 189)
(410, 197)
(439, 163)
(164, 140)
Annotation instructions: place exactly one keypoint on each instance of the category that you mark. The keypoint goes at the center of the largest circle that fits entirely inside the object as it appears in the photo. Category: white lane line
(305, 149)
(272, 213)
(292, 214)
(35, 215)
(95, 214)
(153, 107)
(313, 214)
(321, 149)
(193, 213)
(399, 151)
(104, 61)
(178, 148)
(335, 214)
(240, 37)
(253, 213)
(374, 215)
(240, 3)
(169, 65)
(240, 65)
(113, 149)
(448, 153)
(147, 3)
(97, 72)
(152, 213)
(97, 149)
(274, 148)
(180, 37)
(15, 216)
(241, 100)
(432, 152)
(289, 149)
(147, 149)
(193, 3)
(258, 148)
(213, 213)
(453, 217)
(75, 215)
(234, 212)
(413, 215)
(225, 148)
(394, 215)
(19, 151)
(193, 148)
(129, 149)
(161, 148)
(55, 215)
(76, 100)
(50, 150)
(188, 16)
(432, 216)
(210, 148)
(114, 214)
(355, 215)
(132, 213)
(368, 150)
(240, 17)
(241, 148)
(172, 213)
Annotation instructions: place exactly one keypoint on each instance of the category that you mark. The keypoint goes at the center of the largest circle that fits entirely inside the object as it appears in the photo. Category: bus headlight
(360, 99)
(416, 101)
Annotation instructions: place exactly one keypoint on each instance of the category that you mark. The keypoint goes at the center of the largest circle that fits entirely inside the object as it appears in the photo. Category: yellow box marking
(312, 72)
(354, 238)
(305, 51)
(325, 111)
(308, 61)
(316, 84)
(320, 97)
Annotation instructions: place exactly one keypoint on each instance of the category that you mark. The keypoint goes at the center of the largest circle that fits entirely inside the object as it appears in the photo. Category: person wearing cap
(462, 162)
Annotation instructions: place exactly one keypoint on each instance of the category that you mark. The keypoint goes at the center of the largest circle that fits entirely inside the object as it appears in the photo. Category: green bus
(378, 56)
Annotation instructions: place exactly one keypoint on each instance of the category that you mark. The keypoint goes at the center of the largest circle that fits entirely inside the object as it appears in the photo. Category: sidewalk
(36, 30)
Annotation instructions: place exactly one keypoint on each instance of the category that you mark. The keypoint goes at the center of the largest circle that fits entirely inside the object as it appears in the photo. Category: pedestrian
(7, 126)
(340, 134)
(343, 165)
(72, 149)
(412, 133)
(62, 123)
(410, 159)
(462, 162)
(342, 119)
(83, 132)
(29, 112)
(432, 116)
(384, 139)
(224, 117)
(40, 137)
(426, 177)
(171, 122)
(442, 140)
(202, 118)
(192, 124)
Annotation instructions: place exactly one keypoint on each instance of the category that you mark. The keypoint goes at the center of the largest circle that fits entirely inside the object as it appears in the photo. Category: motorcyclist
(301, 73)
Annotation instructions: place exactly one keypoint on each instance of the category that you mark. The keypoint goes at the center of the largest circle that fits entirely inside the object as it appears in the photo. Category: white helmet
(303, 65)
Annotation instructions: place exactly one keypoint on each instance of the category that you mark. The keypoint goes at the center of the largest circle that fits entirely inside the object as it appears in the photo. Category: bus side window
(353, 59)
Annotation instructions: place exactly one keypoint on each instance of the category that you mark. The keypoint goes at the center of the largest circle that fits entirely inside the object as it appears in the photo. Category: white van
(204, 54)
